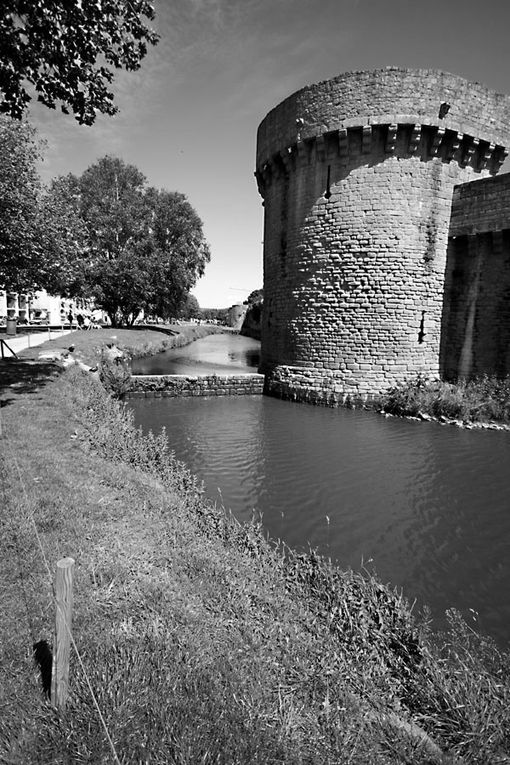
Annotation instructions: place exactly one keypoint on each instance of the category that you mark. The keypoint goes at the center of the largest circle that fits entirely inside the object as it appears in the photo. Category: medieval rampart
(481, 207)
(357, 175)
(475, 337)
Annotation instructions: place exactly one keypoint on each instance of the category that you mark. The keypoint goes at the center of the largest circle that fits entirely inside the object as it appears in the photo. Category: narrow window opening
(327, 193)
(444, 109)
(421, 333)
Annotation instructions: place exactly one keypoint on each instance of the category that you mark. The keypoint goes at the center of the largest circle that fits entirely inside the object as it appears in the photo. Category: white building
(40, 308)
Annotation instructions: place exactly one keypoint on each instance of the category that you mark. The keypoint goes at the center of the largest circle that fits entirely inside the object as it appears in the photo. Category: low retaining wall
(170, 386)
(302, 385)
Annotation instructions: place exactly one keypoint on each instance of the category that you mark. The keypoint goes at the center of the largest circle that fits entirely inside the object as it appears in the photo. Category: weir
(172, 386)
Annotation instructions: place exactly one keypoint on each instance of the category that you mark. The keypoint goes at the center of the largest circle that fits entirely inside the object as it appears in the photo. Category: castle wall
(357, 176)
(476, 315)
(481, 207)
(235, 316)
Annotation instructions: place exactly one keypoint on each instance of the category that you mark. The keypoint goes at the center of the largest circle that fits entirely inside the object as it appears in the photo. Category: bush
(482, 399)
(115, 375)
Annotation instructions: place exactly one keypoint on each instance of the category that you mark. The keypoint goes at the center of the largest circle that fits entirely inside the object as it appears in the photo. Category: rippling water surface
(428, 504)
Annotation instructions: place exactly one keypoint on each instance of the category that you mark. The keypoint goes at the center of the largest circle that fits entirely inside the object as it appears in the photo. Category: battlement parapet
(385, 96)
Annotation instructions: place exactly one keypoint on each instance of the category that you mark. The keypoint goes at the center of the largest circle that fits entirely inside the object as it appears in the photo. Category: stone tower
(357, 175)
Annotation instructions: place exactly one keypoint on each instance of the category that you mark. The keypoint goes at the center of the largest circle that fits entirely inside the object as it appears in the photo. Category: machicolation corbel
(455, 140)
(414, 140)
(436, 141)
(366, 141)
(391, 138)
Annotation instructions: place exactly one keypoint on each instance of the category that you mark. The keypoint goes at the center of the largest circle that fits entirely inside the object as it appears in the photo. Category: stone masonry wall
(481, 206)
(476, 314)
(171, 386)
(357, 176)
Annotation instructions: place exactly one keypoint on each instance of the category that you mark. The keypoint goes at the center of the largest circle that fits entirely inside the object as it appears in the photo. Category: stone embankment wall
(476, 314)
(170, 386)
(357, 175)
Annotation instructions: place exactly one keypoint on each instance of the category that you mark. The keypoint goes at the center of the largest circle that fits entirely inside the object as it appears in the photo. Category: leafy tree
(254, 302)
(216, 314)
(110, 201)
(64, 238)
(113, 206)
(143, 248)
(20, 245)
(255, 297)
(181, 252)
(67, 52)
(119, 285)
(40, 231)
(191, 308)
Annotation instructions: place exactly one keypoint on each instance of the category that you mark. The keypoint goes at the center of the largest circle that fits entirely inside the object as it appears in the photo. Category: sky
(188, 118)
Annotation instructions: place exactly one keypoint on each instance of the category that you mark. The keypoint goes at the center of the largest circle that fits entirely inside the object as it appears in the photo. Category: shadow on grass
(19, 376)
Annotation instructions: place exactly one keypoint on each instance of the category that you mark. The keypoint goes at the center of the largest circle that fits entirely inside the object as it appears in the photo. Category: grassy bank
(202, 642)
(483, 400)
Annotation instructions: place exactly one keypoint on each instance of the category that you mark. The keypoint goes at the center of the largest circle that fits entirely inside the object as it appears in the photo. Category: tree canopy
(106, 234)
(191, 308)
(214, 314)
(37, 239)
(255, 297)
(142, 248)
(67, 52)
(19, 189)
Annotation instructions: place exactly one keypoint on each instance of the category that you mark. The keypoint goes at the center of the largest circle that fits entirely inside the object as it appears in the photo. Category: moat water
(215, 354)
(427, 505)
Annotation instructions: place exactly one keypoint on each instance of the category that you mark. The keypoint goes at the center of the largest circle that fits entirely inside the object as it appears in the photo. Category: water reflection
(428, 504)
(215, 354)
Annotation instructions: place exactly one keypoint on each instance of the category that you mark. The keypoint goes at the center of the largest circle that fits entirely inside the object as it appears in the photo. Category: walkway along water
(428, 504)
(19, 342)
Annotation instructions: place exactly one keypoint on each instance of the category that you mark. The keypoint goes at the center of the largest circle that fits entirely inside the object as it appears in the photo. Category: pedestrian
(70, 317)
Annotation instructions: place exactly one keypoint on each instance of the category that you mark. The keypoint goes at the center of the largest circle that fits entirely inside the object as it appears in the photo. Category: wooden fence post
(62, 642)
(3, 345)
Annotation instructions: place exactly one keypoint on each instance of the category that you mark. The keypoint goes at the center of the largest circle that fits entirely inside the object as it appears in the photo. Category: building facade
(39, 308)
